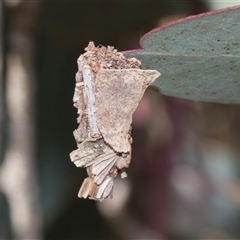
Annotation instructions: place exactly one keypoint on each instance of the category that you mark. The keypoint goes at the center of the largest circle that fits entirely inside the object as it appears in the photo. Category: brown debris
(108, 90)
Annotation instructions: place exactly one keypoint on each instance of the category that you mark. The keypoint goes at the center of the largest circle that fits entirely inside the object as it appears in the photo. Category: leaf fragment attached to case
(108, 90)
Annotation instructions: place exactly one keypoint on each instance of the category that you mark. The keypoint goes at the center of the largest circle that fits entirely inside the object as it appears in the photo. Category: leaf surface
(198, 56)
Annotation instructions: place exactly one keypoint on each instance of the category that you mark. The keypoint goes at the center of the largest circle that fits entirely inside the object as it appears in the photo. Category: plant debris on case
(108, 90)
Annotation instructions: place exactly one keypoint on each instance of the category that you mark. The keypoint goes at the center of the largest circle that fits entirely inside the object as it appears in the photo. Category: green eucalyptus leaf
(198, 57)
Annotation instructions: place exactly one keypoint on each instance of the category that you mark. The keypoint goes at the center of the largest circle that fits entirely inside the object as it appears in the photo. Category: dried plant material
(118, 93)
(108, 90)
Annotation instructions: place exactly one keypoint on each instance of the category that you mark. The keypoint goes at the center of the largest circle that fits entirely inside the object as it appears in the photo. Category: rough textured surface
(118, 93)
(199, 56)
(108, 90)
(87, 151)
